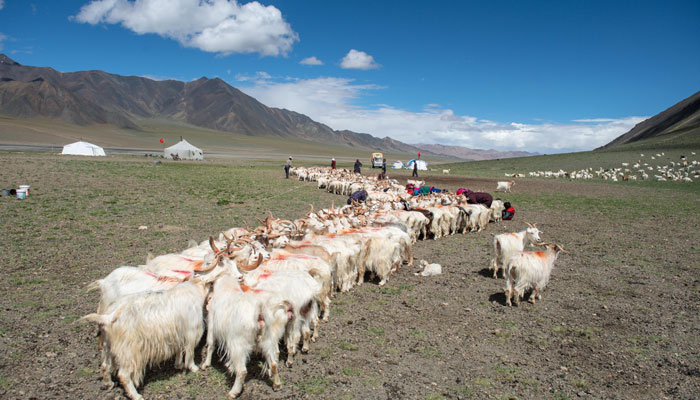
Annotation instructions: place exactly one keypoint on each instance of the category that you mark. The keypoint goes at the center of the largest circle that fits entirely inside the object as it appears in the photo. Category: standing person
(415, 169)
(332, 163)
(358, 164)
(384, 166)
(287, 166)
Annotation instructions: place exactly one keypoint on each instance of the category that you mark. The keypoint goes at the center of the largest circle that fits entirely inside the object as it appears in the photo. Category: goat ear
(149, 257)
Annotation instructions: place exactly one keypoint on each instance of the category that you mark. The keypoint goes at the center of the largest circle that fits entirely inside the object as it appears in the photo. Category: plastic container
(26, 188)
(21, 194)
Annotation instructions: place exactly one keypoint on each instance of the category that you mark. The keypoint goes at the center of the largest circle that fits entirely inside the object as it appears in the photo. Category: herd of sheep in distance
(683, 170)
(252, 288)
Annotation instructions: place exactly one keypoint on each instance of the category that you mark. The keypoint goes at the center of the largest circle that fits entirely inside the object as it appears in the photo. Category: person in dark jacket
(415, 169)
(332, 163)
(478, 198)
(509, 211)
(287, 166)
(384, 167)
(358, 164)
(360, 196)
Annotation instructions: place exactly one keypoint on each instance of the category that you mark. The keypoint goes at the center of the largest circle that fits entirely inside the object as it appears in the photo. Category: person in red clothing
(509, 211)
(332, 163)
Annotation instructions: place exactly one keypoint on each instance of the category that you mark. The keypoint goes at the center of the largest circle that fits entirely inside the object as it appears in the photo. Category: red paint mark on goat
(179, 271)
(541, 254)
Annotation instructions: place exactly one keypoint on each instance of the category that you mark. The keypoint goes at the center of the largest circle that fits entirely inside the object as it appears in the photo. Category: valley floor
(619, 319)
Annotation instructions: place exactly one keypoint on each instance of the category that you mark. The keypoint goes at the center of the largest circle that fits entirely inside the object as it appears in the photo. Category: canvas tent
(397, 165)
(184, 150)
(422, 165)
(83, 149)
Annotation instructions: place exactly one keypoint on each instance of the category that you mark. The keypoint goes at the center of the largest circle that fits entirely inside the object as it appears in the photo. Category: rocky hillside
(466, 153)
(683, 117)
(97, 97)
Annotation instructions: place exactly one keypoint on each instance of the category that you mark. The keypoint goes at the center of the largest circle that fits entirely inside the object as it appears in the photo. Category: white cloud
(2, 4)
(358, 60)
(2, 37)
(216, 26)
(333, 101)
(311, 61)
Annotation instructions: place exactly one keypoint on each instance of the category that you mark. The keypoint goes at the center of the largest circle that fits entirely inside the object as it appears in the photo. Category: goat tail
(149, 257)
(102, 319)
(95, 285)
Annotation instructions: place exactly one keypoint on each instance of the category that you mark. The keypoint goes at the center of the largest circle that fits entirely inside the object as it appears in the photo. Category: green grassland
(672, 145)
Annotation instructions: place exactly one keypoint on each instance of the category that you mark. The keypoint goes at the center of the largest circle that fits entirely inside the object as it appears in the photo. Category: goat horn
(562, 250)
(213, 245)
(226, 237)
(542, 244)
(209, 267)
(529, 224)
(252, 266)
(312, 210)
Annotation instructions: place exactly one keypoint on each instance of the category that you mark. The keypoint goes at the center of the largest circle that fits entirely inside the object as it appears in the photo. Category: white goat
(446, 171)
(148, 328)
(506, 245)
(300, 289)
(429, 269)
(240, 320)
(504, 186)
(530, 269)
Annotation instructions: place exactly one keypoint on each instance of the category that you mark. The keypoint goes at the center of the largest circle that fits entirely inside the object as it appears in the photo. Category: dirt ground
(619, 319)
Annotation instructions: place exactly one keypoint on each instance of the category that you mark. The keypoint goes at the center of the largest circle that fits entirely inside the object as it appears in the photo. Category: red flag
(419, 154)
(162, 140)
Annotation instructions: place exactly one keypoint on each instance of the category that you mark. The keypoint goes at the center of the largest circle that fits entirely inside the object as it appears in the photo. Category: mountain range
(683, 118)
(96, 97)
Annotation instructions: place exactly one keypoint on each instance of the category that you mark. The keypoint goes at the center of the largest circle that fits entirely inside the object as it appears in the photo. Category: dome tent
(184, 151)
(83, 149)
(397, 165)
(422, 165)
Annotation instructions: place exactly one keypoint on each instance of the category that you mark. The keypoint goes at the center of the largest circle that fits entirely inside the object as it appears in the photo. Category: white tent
(83, 149)
(184, 150)
(397, 165)
(422, 165)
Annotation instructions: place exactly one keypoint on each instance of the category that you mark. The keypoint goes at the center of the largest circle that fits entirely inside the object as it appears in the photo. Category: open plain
(619, 319)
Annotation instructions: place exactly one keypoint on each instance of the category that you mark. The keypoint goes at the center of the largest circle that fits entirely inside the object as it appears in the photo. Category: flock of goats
(683, 170)
(256, 287)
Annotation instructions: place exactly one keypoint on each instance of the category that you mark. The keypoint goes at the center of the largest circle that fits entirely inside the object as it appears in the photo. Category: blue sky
(535, 76)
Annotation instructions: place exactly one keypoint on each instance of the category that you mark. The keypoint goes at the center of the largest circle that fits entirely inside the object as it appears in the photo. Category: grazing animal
(504, 186)
(446, 171)
(530, 269)
(506, 245)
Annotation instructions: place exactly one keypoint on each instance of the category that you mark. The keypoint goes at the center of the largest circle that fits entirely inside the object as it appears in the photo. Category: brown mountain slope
(681, 117)
(41, 98)
(466, 153)
(208, 103)
(97, 97)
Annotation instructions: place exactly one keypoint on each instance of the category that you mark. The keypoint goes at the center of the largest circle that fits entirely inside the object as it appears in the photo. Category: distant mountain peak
(682, 116)
(7, 60)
